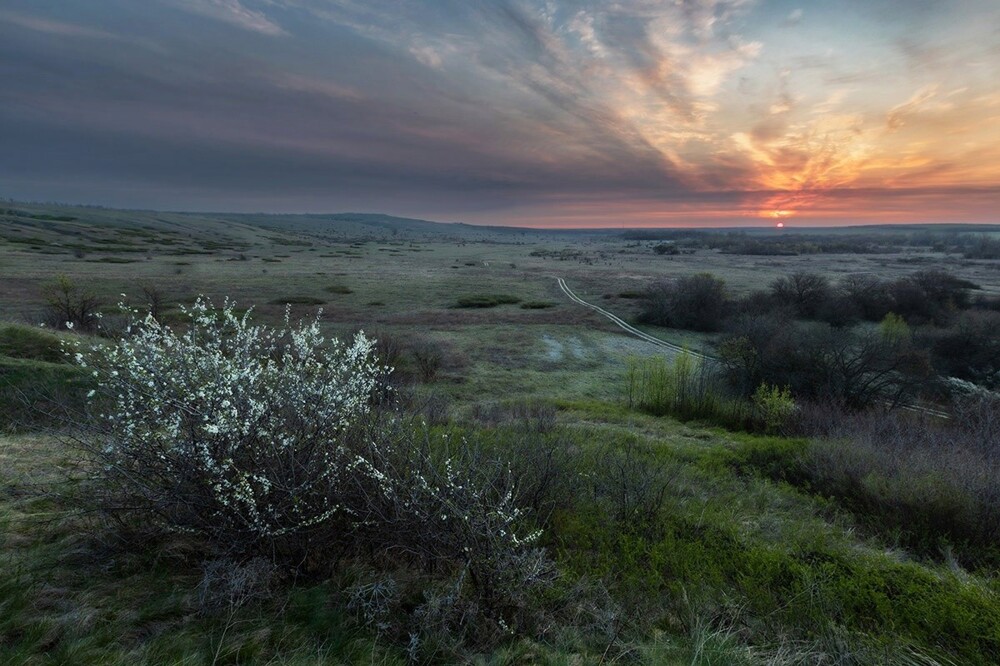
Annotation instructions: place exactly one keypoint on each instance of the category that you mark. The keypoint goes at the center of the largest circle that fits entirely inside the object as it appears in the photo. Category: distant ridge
(60, 217)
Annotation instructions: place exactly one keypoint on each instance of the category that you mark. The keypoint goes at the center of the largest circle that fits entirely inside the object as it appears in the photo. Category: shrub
(531, 414)
(853, 368)
(894, 330)
(933, 485)
(696, 302)
(231, 431)
(869, 295)
(773, 407)
(686, 388)
(428, 357)
(804, 292)
(154, 300)
(930, 296)
(537, 305)
(486, 301)
(69, 305)
(339, 289)
(298, 300)
(633, 485)
(969, 349)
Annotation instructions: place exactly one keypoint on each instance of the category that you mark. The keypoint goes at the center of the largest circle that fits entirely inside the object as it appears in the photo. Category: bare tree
(70, 306)
(155, 300)
(805, 292)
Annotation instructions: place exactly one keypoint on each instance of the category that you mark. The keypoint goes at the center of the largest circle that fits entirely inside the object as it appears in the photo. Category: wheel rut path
(628, 328)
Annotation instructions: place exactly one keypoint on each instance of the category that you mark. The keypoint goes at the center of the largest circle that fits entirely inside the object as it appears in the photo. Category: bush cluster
(809, 334)
(695, 302)
(702, 303)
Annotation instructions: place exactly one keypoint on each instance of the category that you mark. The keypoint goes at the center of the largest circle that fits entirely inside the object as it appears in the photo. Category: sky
(546, 113)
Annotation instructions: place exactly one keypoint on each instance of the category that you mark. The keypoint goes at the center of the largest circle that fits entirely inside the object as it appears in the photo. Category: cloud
(897, 115)
(793, 19)
(52, 27)
(234, 13)
(545, 109)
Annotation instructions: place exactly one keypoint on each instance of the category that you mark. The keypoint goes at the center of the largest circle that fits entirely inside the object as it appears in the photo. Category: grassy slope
(744, 571)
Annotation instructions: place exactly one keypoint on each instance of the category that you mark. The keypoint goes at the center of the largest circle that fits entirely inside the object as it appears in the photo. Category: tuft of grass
(339, 289)
(111, 260)
(486, 301)
(686, 389)
(537, 305)
(298, 300)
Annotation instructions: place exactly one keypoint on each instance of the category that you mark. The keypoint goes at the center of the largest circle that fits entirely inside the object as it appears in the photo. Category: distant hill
(68, 226)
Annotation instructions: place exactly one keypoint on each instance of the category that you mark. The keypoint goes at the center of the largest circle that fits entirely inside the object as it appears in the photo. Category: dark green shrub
(666, 248)
(339, 289)
(695, 302)
(298, 300)
(486, 301)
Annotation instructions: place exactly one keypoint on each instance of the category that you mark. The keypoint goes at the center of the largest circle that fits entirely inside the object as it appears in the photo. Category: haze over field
(555, 113)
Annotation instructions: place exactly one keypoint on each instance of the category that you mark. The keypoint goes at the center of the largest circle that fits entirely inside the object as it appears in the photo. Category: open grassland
(398, 276)
(677, 543)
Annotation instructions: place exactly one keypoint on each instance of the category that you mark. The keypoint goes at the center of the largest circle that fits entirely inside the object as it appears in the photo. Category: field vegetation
(480, 470)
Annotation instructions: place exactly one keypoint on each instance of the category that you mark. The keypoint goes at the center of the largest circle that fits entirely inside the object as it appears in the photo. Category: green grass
(924, 511)
(776, 562)
(35, 393)
(30, 343)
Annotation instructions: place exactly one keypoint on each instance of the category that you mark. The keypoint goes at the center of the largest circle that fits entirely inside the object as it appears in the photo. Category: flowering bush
(461, 509)
(230, 430)
(263, 441)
